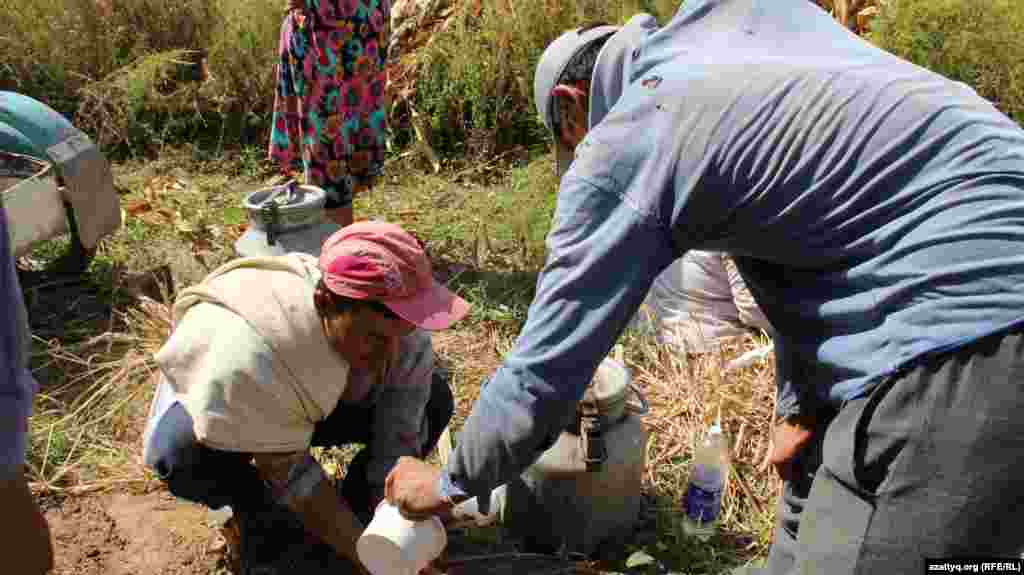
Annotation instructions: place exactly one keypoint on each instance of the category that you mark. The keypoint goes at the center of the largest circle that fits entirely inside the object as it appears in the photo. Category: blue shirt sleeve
(16, 383)
(603, 256)
(787, 402)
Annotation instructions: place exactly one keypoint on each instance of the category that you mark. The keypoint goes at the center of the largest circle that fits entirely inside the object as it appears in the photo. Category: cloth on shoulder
(258, 385)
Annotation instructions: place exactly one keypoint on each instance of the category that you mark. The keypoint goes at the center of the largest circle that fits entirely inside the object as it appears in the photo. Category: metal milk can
(586, 488)
(285, 219)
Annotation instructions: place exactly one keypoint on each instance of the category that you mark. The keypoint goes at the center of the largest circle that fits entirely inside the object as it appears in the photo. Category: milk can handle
(270, 220)
(270, 213)
(643, 408)
(286, 188)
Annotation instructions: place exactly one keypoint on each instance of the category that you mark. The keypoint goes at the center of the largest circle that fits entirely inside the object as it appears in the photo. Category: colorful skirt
(329, 109)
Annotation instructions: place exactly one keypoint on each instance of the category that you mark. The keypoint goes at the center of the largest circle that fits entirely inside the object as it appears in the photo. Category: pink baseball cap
(381, 261)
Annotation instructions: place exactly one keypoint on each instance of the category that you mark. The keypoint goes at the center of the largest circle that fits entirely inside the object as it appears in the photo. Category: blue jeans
(217, 478)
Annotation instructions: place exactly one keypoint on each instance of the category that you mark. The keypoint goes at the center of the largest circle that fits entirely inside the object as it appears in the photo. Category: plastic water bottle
(703, 500)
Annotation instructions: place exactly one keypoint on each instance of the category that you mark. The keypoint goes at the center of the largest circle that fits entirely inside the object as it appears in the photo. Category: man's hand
(412, 488)
(27, 542)
(791, 435)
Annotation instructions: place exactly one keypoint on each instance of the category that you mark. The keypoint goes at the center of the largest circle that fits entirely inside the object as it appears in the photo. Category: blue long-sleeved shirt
(27, 127)
(16, 383)
(875, 210)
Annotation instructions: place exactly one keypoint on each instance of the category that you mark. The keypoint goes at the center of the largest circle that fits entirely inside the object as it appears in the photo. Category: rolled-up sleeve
(17, 385)
(603, 256)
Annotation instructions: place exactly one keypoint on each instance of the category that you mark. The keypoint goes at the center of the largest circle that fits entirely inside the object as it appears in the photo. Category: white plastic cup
(393, 545)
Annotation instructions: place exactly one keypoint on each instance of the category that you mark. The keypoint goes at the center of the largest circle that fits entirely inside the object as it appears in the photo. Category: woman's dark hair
(329, 303)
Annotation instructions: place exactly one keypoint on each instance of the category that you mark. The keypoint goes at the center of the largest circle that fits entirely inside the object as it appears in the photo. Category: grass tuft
(978, 43)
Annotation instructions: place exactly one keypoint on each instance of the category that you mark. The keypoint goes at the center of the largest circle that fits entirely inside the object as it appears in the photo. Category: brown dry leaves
(165, 202)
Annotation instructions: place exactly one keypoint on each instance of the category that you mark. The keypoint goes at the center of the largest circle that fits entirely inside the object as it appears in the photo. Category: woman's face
(371, 340)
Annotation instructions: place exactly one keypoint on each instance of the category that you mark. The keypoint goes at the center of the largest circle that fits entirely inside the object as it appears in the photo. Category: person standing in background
(25, 537)
(698, 302)
(329, 106)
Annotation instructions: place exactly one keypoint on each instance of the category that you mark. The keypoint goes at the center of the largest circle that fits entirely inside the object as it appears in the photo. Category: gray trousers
(929, 465)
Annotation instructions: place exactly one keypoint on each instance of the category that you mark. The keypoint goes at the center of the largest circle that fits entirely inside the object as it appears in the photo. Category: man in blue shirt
(26, 541)
(875, 211)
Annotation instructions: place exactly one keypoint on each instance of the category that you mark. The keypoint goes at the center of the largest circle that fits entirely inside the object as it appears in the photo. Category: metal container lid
(285, 219)
(285, 207)
(609, 392)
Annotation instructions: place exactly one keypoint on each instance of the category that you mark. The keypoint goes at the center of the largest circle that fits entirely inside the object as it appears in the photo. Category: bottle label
(703, 505)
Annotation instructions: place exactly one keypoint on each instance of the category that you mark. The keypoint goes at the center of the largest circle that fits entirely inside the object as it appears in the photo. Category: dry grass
(471, 355)
(94, 394)
(686, 395)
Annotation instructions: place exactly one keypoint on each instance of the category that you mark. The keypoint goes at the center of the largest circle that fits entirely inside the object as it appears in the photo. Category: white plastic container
(703, 499)
(394, 545)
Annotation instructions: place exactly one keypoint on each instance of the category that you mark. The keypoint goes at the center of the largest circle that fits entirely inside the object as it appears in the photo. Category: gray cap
(552, 64)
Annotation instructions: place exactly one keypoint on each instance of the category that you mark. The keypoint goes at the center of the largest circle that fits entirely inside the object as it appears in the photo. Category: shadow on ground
(506, 295)
(77, 314)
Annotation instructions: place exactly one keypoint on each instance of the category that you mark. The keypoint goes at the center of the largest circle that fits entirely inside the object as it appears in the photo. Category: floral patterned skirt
(329, 107)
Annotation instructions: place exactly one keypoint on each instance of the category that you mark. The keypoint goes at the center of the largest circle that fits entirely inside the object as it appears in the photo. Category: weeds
(139, 74)
(144, 74)
(474, 78)
(978, 43)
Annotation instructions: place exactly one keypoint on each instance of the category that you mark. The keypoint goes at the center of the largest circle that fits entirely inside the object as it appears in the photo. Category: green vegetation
(125, 70)
(475, 77)
(978, 43)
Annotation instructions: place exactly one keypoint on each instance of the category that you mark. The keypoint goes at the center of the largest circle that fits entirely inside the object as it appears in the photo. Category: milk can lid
(610, 384)
(289, 195)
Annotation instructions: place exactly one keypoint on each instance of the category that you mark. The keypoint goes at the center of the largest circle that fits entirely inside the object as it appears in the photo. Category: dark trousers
(929, 465)
(216, 478)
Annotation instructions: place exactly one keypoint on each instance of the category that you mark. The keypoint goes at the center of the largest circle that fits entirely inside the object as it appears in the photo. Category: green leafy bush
(978, 42)
(122, 68)
(475, 78)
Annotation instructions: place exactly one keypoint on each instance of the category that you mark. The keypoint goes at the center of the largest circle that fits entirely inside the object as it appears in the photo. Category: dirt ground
(157, 534)
(132, 534)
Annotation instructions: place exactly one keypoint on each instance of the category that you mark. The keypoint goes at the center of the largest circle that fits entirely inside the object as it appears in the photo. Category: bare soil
(132, 534)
